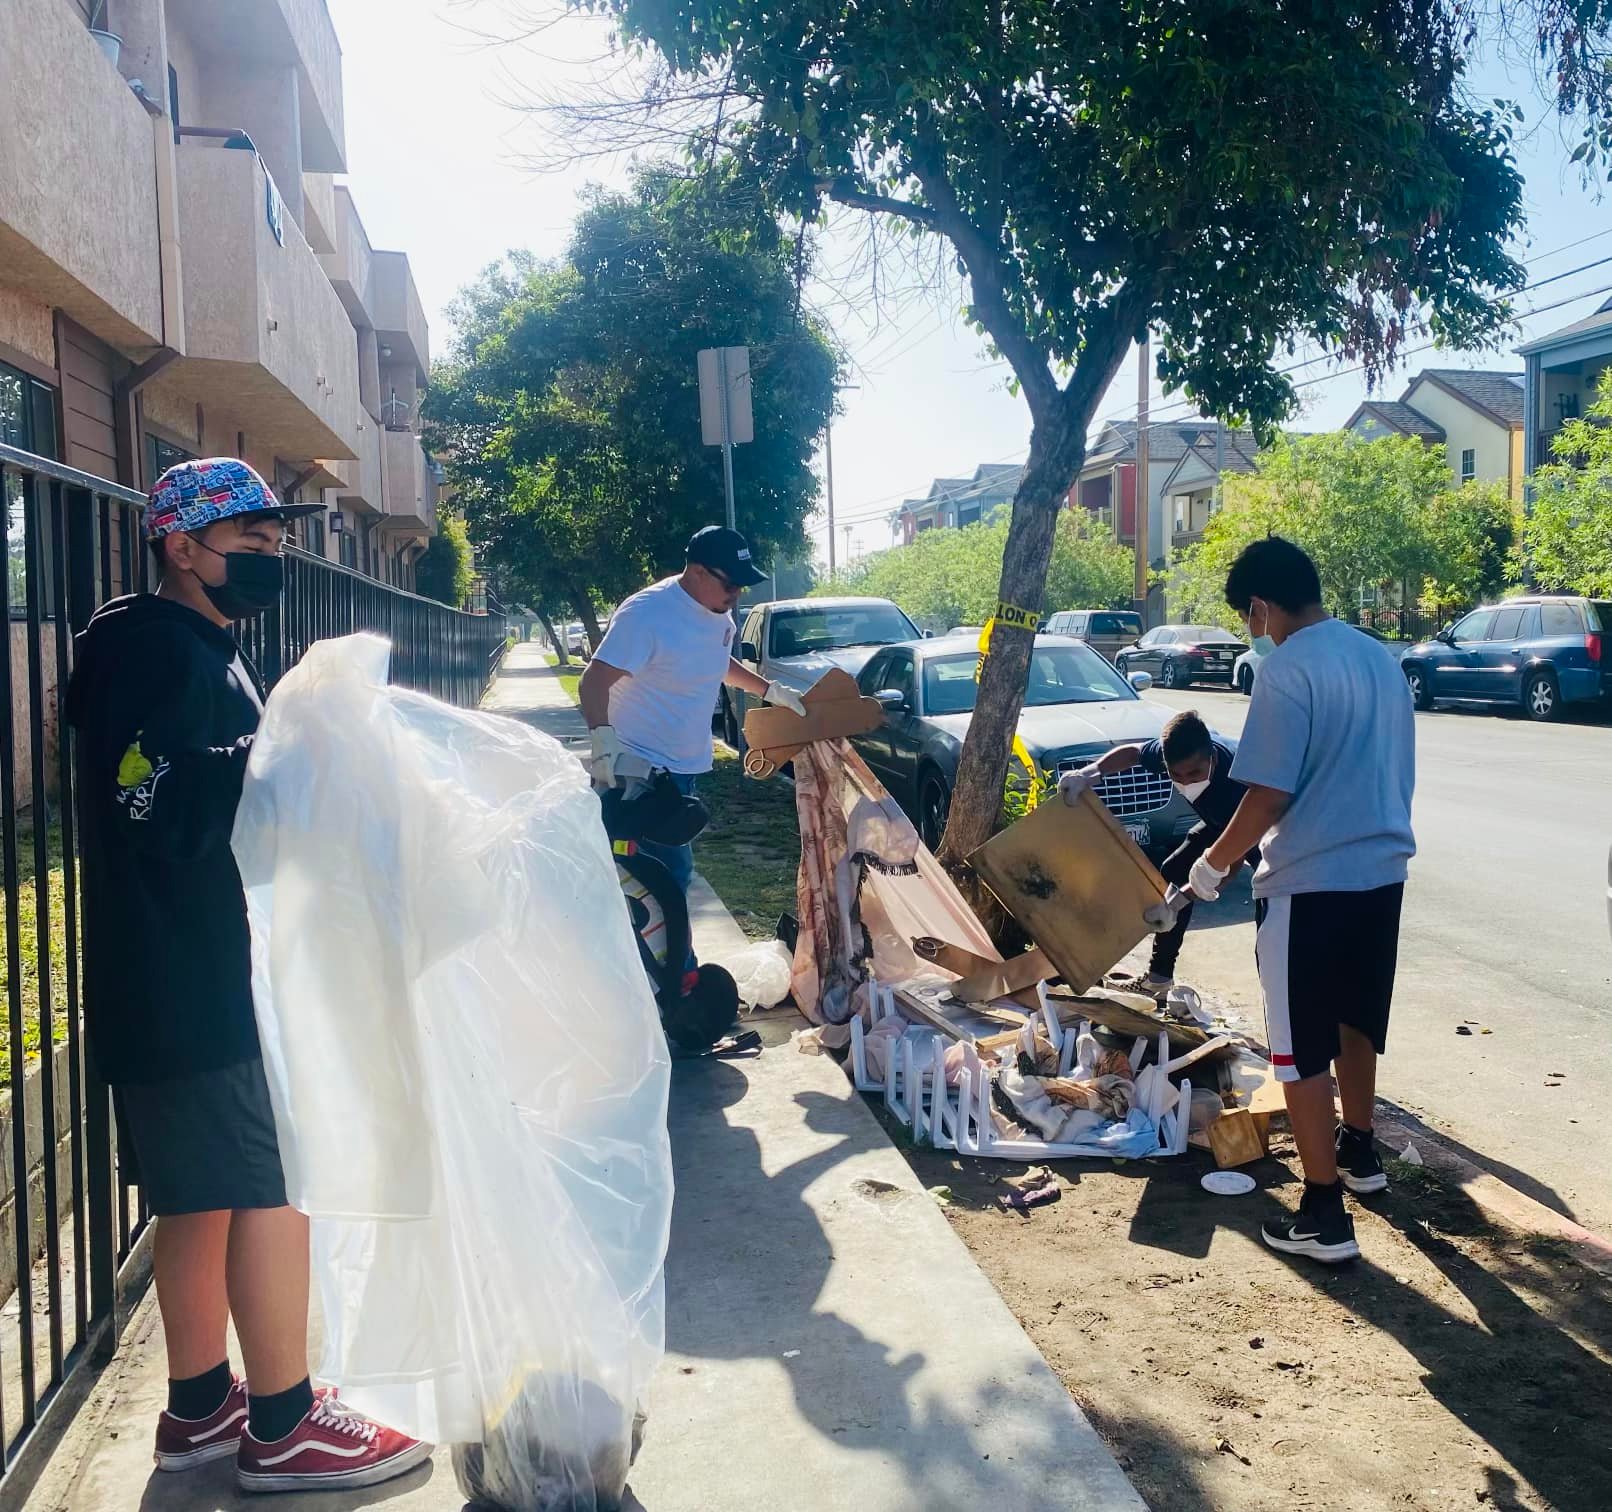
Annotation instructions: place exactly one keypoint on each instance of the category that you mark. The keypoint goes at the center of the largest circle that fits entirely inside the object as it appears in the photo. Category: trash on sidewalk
(760, 972)
(1411, 1155)
(439, 951)
(1228, 1184)
(1037, 1189)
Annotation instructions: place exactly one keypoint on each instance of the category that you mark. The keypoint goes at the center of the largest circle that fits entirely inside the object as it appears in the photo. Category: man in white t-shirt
(1328, 756)
(648, 693)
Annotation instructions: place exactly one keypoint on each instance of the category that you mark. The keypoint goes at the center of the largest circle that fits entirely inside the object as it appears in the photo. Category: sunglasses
(725, 582)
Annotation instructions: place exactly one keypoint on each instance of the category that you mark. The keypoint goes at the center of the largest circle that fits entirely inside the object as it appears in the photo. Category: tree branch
(843, 192)
(989, 277)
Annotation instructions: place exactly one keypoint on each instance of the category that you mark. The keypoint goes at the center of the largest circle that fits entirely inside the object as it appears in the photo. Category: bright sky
(440, 163)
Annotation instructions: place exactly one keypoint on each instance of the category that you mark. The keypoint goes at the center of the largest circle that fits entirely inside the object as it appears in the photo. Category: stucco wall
(397, 306)
(27, 325)
(1465, 428)
(68, 118)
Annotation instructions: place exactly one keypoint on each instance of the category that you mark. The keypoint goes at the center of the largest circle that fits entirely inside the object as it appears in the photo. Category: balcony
(350, 264)
(268, 340)
(78, 174)
(362, 482)
(411, 485)
(399, 316)
(258, 34)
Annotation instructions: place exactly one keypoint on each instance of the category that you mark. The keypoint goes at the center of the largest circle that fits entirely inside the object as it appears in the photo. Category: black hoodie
(165, 707)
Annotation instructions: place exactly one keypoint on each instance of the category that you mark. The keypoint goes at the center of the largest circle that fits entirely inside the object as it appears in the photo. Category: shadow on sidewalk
(748, 1268)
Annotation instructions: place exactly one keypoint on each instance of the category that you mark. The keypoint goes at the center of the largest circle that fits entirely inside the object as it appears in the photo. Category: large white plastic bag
(468, 1073)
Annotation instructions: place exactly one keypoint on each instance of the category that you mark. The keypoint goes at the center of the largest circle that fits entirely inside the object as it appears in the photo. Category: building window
(28, 422)
(968, 515)
(316, 535)
(1469, 465)
(161, 455)
(1182, 504)
(349, 549)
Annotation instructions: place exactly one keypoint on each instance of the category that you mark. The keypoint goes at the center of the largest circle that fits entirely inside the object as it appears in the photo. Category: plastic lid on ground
(1228, 1183)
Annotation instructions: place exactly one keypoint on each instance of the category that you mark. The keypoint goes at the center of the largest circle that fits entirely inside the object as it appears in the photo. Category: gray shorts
(204, 1143)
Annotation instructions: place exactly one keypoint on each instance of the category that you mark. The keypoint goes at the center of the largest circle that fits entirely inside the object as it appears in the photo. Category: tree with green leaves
(1230, 175)
(1373, 515)
(568, 409)
(950, 577)
(1567, 539)
(446, 571)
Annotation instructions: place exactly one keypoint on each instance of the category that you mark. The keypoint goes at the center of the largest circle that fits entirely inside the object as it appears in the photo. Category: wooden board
(835, 707)
(1076, 882)
(1235, 1139)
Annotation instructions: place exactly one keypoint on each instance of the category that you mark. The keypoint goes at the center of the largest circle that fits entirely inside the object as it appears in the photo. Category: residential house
(957, 502)
(1186, 459)
(1561, 373)
(1477, 417)
(187, 278)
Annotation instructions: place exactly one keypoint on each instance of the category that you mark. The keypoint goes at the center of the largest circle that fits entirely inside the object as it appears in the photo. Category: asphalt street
(1505, 930)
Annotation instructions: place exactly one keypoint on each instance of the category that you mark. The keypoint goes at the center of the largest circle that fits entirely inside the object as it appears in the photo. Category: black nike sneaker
(1321, 1228)
(1359, 1166)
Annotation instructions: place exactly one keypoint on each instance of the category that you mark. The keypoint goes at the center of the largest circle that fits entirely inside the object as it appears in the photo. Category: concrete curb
(1497, 1199)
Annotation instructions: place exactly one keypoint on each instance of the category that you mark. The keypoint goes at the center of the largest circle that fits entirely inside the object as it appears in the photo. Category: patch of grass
(750, 852)
(569, 677)
(1413, 1180)
(28, 920)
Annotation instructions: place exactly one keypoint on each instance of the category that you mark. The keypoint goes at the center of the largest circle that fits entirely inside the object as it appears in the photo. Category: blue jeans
(677, 859)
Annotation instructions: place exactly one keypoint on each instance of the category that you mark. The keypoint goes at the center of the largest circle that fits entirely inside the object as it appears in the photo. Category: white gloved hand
(1205, 878)
(1161, 917)
(1072, 784)
(780, 696)
(606, 753)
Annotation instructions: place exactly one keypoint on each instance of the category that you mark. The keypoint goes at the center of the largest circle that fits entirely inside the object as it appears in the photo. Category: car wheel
(730, 722)
(1169, 675)
(934, 807)
(1420, 689)
(1541, 698)
(1245, 682)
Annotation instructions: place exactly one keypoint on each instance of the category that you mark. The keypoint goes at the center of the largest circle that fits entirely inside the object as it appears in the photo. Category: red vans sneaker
(185, 1443)
(332, 1449)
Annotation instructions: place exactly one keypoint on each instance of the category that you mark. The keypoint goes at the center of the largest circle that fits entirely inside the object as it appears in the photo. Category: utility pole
(828, 469)
(1142, 489)
(847, 529)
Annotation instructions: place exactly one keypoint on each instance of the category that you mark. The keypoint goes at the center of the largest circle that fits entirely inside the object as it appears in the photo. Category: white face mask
(1263, 644)
(1193, 791)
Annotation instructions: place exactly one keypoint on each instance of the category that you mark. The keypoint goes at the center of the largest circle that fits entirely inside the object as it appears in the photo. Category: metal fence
(74, 1255)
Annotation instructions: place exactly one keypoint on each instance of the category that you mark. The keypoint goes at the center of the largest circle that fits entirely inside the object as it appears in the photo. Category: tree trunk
(590, 620)
(556, 639)
(1057, 451)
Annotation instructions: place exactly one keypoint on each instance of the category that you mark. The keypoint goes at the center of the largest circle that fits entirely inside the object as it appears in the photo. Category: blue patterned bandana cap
(192, 495)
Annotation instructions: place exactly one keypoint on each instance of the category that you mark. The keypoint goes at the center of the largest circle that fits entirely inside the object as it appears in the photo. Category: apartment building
(181, 274)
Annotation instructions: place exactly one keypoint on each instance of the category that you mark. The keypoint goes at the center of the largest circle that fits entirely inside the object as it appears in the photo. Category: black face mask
(252, 581)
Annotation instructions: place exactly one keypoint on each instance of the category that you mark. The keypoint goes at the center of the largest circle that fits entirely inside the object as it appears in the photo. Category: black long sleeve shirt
(165, 707)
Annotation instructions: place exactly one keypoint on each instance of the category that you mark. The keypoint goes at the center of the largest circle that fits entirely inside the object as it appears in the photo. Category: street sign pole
(727, 436)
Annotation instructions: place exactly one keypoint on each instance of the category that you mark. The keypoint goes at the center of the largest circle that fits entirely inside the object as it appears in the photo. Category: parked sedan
(795, 641)
(1180, 655)
(1076, 707)
(1537, 653)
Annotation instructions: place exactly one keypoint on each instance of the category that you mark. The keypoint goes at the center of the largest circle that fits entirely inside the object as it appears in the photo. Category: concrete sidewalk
(528, 689)
(830, 1342)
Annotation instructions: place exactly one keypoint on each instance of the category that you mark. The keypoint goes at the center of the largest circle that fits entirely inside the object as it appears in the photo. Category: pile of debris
(1032, 1058)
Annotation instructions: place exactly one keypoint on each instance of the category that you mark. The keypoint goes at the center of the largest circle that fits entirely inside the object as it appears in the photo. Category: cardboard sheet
(1076, 882)
(835, 708)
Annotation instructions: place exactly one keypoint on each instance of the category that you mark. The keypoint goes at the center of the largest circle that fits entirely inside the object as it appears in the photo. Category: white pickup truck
(795, 641)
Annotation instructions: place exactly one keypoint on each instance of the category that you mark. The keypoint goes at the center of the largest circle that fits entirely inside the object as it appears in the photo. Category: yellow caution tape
(1014, 618)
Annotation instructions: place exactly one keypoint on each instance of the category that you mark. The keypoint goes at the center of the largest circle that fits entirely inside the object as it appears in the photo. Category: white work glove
(1160, 917)
(606, 753)
(1205, 878)
(781, 696)
(1072, 784)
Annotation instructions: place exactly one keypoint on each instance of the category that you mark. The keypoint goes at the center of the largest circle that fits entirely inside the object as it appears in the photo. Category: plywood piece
(1015, 979)
(835, 708)
(1077, 884)
(1235, 1138)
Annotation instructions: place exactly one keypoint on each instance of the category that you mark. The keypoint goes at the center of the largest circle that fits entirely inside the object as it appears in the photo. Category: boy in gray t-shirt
(1328, 756)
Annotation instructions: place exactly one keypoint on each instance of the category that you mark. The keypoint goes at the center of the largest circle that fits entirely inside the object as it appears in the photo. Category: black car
(1180, 655)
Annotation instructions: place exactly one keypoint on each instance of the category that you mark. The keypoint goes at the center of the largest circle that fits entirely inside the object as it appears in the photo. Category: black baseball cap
(727, 552)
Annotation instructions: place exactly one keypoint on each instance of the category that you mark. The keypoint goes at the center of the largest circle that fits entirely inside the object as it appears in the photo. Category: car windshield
(1205, 634)
(799, 632)
(1058, 675)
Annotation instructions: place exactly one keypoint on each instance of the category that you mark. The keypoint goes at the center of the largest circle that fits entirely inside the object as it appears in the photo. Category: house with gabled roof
(1475, 417)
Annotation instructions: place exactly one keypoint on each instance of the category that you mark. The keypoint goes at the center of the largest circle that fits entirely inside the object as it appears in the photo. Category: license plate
(1142, 834)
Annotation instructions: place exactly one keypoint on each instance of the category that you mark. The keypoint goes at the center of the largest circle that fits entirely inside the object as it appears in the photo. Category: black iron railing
(80, 1259)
